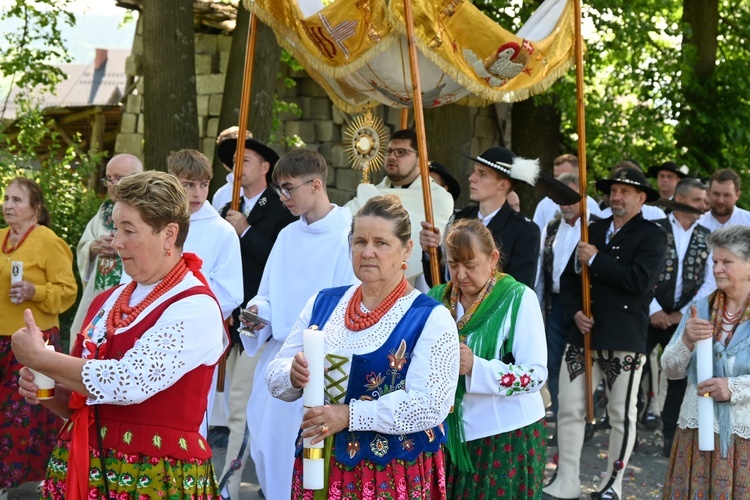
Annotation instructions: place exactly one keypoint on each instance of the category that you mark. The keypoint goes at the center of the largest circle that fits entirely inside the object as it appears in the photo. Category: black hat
(676, 206)
(453, 187)
(507, 163)
(670, 166)
(632, 177)
(228, 148)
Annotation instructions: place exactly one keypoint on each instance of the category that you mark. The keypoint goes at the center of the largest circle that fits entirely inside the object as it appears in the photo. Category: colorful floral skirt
(27, 432)
(423, 478)
(704, 474)
(509, 465)
(134, 477)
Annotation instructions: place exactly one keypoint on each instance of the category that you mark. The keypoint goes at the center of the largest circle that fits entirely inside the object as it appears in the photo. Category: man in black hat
(667, 175)
(260, 218)
(624, 256)
(497, 171)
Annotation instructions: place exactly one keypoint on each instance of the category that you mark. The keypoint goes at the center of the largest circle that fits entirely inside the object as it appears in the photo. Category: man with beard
(723, 193)
(624, 257)
(403, 180)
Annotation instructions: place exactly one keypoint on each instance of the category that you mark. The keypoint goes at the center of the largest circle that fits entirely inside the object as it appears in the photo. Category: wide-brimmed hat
(227, 148)
(453, 187)
(631, 177)
(676, 206)
(527, 171)
(670, 166)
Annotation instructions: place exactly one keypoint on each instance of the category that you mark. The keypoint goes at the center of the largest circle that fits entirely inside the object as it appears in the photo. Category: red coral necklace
(122, 314)
(356, 320)
(12, 248)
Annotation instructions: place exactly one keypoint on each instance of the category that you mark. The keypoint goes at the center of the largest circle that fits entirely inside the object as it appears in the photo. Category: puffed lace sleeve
(740, 389)
(430, 384)
(676, 356)
(278, 371)
(529, 371)
(188, 334)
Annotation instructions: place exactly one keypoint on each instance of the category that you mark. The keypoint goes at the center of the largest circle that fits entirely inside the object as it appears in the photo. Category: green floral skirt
(134, 477)
(508, 465)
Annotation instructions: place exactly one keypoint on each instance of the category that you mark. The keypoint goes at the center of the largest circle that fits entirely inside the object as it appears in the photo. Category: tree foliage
(644, 100)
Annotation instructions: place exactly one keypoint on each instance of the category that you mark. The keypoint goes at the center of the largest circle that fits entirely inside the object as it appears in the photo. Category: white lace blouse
(430, 382)
(675, 362)
(188, 334)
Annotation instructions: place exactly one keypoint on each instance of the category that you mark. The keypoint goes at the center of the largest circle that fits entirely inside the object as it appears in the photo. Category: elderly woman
(136, 385)
(43, 283)
(392, 360)
(496, 443)
(722, 316)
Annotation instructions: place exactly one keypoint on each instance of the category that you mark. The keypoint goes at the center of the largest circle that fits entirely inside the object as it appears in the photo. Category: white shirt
(739, 216)
(546, 210)
(681, 241)
(486, 219)
(223, 195)
(563, 246)
(304, 259)
(188, 334)
(430, 382)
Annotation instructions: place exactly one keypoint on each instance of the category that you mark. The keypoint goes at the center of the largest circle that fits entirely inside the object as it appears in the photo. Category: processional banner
(357, 50)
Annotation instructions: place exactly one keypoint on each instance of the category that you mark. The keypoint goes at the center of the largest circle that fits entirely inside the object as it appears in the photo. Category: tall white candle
(704, 358)
(313, 395)
(45, 384)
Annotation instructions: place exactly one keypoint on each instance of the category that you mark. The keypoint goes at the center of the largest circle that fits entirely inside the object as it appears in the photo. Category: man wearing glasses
(403, 180)
(98, 264)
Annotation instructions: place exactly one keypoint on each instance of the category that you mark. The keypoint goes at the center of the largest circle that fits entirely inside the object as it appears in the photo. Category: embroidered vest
(548, 261)
(376, 374)
(693, 268)
(166, 424)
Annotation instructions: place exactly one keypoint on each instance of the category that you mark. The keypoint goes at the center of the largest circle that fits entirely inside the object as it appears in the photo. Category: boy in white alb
(212, 239)
(308, 255)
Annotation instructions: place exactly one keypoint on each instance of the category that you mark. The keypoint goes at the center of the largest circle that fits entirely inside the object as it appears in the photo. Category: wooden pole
(247, 87)
(581, 104)
(404, 119)
(421, 136)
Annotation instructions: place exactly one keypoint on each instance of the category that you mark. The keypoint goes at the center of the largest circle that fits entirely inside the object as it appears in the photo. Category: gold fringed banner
(357, 51)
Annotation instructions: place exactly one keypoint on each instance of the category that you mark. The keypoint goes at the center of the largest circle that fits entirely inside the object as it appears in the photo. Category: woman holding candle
(44, 283)
(723, 318)
(392, 367)
(496, 443)
(136, 385)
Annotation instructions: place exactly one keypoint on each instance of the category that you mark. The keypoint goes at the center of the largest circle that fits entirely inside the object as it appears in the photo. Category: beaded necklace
(12, 248)
(725, 323)
(356, 320)
(122, 314)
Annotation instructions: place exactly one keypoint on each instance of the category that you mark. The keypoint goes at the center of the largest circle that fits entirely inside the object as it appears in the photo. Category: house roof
(102, 82)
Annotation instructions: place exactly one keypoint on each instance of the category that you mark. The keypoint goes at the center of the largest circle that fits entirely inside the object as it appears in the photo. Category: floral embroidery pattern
(574, 361)
(517, 380)
(374, 381)
(610, 365)
(379, 446)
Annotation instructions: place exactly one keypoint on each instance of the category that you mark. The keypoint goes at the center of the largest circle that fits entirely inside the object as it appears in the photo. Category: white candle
(313, 395)
(704, 358)
(45, 384)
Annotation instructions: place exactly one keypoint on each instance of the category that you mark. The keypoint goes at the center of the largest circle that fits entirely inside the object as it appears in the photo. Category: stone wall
(320, 127)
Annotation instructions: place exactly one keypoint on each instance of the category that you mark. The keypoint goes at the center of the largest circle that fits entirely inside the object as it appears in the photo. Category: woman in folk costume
(722, 316)
(496, 445)
(44, 284)
(135, 387)
(392, 367)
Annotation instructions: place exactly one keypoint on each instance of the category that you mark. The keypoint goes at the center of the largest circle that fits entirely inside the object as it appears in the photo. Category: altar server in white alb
(309, 254)
(213, 240)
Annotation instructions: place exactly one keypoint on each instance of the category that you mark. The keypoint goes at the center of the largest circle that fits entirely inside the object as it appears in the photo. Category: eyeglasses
(287, 192)
(398, 152)
(110, 180)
